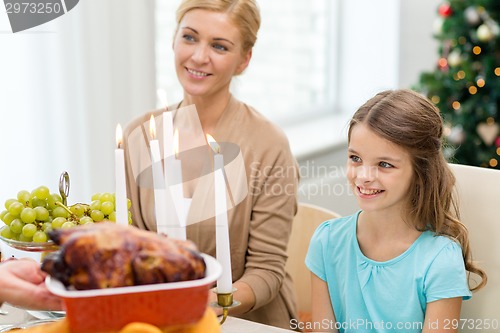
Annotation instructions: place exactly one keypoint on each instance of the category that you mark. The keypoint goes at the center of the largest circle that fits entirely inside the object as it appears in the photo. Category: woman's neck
(209, 109)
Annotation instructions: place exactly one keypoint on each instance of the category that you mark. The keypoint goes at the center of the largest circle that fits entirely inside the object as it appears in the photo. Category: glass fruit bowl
(29, 246)
(16, 328)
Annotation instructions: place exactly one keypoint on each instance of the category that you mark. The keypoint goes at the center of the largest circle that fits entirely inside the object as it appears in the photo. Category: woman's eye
(355, 158)
(385, 165)
(188, 38)
(219, 47)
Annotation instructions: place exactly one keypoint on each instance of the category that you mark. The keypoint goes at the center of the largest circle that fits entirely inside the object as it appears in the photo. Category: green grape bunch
(31, 215)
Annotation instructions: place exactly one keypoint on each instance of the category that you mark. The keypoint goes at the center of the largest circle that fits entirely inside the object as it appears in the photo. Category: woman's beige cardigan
(260, 225)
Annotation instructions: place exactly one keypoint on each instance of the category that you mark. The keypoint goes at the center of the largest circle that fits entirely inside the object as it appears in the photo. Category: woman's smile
(196, 73)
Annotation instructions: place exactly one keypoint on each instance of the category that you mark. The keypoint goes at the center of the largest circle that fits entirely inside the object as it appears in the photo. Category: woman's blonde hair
(244, 13)
(411, 121)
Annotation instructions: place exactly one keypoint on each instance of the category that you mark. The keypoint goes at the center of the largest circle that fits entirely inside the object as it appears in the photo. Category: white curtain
(64, 86)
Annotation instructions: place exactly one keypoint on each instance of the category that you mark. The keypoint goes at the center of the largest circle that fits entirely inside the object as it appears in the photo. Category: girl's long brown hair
(411, 121)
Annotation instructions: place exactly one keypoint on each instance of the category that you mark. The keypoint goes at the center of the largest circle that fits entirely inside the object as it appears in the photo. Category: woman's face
(208, 52)
(379, 172)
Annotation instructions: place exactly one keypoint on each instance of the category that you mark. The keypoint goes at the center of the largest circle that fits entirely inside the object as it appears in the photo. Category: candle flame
(152, 127)
(213, 144)
(175, 143)
(161, 94)
(119, 136)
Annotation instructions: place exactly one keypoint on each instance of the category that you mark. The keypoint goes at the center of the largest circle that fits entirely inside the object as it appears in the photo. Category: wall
(323, 181)
(418, 50)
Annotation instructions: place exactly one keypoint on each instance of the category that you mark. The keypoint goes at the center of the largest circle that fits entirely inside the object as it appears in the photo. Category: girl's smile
(368, 193)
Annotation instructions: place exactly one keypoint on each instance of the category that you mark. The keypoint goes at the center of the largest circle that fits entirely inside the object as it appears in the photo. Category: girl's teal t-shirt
(389, 296)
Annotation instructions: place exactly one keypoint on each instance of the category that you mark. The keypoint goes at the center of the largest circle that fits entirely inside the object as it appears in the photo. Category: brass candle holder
(226, 302)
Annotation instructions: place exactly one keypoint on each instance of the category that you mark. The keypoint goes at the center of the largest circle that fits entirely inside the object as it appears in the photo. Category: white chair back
(478, 192)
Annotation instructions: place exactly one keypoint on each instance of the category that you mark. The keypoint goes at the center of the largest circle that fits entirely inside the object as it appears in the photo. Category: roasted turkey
(107, 255)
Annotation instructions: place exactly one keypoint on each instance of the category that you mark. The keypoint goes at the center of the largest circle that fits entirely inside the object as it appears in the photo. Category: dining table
(11, 315)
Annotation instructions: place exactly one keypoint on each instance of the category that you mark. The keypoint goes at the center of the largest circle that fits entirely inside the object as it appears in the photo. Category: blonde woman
(213, 43)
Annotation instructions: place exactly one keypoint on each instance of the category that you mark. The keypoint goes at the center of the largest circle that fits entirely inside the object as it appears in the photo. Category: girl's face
(379, 172)
(208, 52)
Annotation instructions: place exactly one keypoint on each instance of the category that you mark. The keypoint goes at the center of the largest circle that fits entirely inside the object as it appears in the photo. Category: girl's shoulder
(430, 247)
(431, 239)
(340, 225)
(343, 221)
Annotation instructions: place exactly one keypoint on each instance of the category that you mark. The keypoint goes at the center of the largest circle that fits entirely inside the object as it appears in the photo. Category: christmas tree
(465, 84)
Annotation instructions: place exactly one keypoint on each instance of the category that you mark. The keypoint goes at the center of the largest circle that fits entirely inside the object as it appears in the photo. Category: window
(293, 63)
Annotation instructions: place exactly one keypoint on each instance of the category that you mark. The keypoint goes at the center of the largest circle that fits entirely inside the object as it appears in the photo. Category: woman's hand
(22, 283)
(243, 294)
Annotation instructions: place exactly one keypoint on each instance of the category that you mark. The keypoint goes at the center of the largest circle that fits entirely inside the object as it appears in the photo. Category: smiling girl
(401, 263)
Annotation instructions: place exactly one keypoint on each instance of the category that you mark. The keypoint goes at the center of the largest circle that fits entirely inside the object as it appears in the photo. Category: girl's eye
(385, 165)
(355, 158)
(219, 47)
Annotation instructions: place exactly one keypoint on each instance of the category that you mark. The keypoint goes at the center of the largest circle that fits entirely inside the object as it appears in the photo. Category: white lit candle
(174, 180)
(168, 136)
(223, 253)
(168, 132)
(120, 181)
(158, 179)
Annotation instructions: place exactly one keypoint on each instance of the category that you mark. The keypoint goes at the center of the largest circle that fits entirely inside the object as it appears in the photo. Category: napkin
(207, 324)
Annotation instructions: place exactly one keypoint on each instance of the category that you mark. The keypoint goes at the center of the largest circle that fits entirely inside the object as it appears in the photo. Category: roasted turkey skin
(107, 255)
